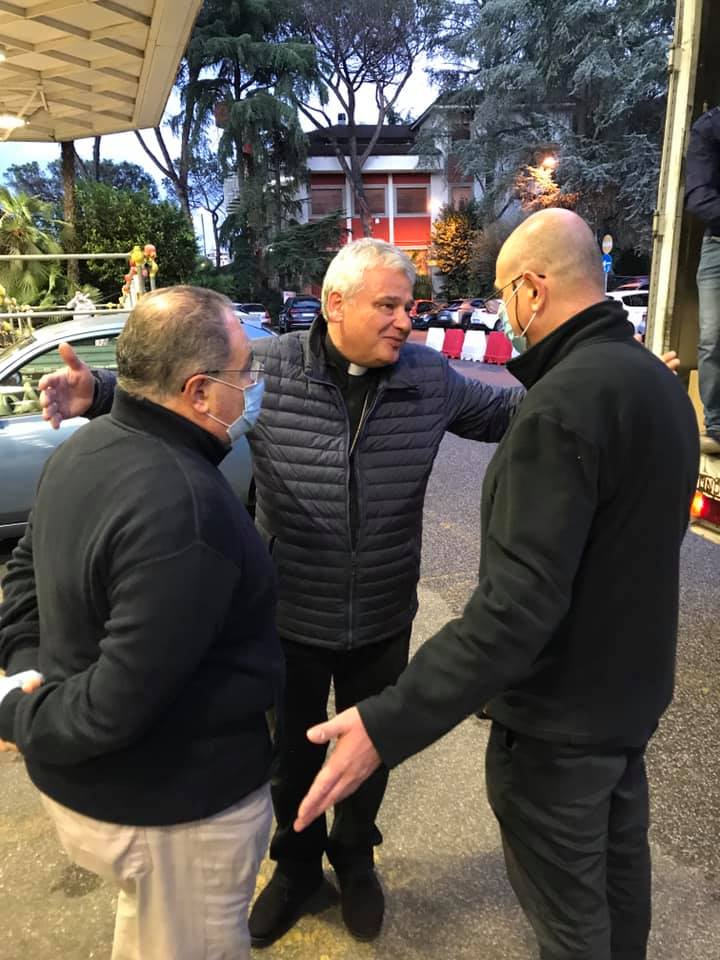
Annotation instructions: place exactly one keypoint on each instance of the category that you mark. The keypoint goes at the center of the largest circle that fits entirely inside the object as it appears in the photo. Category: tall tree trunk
(67, 153)
(278, 194)
(96, 159)
(216, 235)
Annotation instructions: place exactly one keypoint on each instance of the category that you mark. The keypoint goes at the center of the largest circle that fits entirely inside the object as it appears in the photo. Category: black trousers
(356, 674)
(574, 823)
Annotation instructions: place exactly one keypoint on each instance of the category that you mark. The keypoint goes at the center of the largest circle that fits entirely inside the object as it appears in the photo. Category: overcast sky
(416, 96)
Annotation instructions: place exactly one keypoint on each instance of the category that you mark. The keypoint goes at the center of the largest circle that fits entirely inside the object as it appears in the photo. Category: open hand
(671, 360)
(351, 763)
(68, 392)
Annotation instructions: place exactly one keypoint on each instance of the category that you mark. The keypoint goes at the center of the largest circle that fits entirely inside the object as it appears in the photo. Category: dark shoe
(281, 904)
(362, 901)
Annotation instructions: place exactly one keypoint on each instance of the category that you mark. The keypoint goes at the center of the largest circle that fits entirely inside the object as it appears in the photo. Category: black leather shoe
(281, 904)
(362, 901)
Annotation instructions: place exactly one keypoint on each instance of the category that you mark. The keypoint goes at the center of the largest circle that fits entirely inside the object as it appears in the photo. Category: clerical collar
(341, 362)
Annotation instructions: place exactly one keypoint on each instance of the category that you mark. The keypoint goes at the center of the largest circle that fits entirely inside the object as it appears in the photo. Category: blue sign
(607, 262)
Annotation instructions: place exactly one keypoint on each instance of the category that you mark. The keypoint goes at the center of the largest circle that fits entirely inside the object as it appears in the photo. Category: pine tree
(583, 78)
(374, 44)
(453, 235)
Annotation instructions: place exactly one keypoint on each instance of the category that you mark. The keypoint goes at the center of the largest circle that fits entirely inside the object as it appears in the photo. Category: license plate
(710, 486)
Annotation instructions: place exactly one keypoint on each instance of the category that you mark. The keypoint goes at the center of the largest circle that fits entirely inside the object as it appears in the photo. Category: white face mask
(243, 424)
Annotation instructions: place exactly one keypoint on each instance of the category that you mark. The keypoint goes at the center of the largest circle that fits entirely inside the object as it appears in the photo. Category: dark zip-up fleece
(702, 171)
(333, 592)
(570, 635)
(144, 595)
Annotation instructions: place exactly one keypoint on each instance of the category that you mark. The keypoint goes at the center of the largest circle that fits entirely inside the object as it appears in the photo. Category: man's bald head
(556, 242)
(556, 262)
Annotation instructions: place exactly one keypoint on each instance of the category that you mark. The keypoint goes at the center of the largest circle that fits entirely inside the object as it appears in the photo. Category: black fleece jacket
(144, 595)
(570, 635)
(702, 171)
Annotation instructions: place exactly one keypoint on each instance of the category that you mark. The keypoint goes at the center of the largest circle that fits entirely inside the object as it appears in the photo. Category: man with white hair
(569, 638)
(351, 422)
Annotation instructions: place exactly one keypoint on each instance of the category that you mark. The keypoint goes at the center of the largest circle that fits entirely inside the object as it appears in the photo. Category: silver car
(26, 440)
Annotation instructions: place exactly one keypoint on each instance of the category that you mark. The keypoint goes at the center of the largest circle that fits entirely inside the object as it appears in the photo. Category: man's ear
(197, 392)
(536, 289)
(334, 307)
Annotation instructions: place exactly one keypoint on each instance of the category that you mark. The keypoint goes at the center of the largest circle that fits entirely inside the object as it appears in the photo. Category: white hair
(347, 268)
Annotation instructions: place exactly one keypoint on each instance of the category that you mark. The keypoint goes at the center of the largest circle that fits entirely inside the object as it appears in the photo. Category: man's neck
(341, 361)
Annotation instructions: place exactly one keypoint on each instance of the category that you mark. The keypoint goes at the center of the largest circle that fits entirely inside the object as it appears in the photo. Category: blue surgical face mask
(243, 424)
(519, 341)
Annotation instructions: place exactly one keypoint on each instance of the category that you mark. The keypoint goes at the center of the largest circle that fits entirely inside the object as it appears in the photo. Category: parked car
(486, 318)
(26, 440)
(256, 312)
(298, 313)
(636, 304)
(457, 313)
(629, 283)
(422, 313)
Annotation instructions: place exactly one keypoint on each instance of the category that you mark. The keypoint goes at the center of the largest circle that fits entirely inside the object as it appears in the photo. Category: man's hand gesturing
(69, 391)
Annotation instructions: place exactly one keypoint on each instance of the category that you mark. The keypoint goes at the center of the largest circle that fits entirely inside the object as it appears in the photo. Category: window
(411, 201)
(635, 299)
(460, 196)
(326, 200)
(19, 393)
(375, 198)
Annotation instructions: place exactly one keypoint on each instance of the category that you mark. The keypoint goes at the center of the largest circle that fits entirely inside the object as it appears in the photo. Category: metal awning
(85, 68)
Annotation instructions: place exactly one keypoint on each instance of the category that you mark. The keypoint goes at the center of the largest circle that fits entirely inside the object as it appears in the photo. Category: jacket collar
(393, 376)
(602, 321)
(148, 417)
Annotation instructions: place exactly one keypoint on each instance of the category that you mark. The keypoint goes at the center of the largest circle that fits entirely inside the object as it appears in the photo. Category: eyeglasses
(497, 293)
(252, 373)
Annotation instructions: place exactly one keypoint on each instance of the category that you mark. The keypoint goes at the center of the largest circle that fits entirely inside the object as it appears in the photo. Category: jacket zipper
(349, 466)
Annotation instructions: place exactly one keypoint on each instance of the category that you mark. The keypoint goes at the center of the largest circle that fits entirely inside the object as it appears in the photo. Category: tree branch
(170, 175)
(165, 153)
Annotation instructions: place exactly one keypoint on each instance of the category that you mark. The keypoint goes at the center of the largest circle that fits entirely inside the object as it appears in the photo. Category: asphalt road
(441, 864)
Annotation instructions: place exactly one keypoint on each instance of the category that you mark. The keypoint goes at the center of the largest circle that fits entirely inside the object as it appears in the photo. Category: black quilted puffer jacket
(331, 594)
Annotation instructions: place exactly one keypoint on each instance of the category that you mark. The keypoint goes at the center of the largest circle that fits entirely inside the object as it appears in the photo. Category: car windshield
(310, 302)
(254, 308)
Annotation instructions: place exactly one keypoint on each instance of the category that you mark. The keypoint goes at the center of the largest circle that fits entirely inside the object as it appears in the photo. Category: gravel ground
(441, 862)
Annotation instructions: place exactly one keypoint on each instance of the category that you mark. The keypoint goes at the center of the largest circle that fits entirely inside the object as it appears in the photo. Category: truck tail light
(705, 509)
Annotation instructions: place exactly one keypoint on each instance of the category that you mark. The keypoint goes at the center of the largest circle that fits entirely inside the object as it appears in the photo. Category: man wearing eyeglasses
(352, 420)
(569, 638)
(143, 598)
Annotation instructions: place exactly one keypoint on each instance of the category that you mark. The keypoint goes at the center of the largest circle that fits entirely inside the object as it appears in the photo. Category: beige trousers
(184, 889)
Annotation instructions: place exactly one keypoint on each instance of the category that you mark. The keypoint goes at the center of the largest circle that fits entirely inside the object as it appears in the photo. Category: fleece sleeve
(164, 615)
(702, 180)
(542, 511)
(105, 383)
(19, 622)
